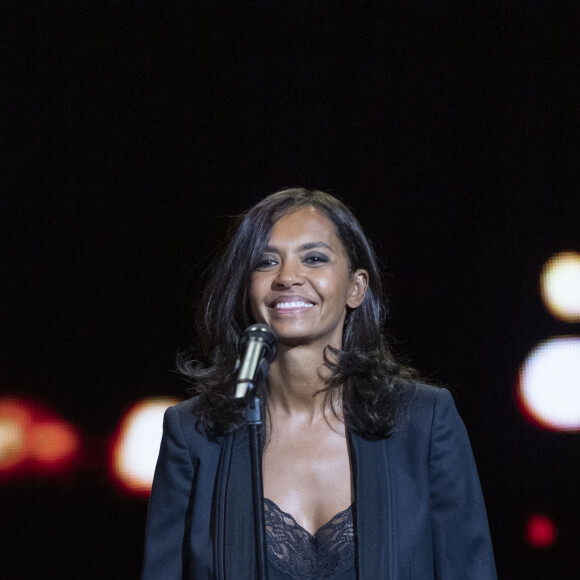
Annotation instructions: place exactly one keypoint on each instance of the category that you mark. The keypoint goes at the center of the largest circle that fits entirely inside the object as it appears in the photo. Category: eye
(265, 263)
(315, 259)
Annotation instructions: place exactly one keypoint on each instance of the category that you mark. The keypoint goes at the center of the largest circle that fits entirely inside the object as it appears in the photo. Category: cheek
(252, 291)
(336, 289)
(343, 294)
(255, 297)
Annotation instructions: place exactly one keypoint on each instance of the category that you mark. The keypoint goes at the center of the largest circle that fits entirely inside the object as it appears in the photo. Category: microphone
(258, 349)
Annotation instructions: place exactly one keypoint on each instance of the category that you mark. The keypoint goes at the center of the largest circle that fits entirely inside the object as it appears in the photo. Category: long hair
(364, 372)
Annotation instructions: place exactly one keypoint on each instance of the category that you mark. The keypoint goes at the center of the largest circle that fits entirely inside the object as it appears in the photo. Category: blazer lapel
(373, 513)
(234, 546)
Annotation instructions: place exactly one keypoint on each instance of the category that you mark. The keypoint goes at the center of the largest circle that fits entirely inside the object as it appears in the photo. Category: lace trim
(294, 551)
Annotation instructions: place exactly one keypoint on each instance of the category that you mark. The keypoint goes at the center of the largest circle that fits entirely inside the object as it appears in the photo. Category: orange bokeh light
(34, 440)
(53, 442)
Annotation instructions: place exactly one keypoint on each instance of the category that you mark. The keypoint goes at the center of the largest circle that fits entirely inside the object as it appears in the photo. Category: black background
(131, 130)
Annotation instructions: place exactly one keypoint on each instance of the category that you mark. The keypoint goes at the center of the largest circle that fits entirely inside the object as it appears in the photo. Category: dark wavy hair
(365, 372)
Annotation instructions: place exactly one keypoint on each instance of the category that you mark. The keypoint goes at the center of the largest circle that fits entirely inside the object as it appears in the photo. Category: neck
(295, 378)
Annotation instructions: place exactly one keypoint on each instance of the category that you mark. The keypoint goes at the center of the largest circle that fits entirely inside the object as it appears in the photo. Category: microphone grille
(263, 333)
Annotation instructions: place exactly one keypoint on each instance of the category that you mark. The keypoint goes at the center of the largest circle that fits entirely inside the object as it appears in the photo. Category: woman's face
(303, 284)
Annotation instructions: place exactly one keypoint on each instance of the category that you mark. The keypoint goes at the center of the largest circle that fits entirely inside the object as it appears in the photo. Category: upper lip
(290, 298)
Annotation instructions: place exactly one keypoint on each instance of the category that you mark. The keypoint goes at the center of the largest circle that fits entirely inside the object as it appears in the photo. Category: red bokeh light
(540, 531)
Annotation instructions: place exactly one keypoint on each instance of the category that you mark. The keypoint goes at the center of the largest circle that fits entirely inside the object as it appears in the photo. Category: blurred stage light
(33, 440)
(560, 286)
(51, 443)
(540, 531)
(135, 446)
(14, 423)
(548, 390)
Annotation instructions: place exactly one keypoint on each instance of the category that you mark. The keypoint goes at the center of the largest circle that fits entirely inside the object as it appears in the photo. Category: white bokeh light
(560, 286)
(136, 446)
(549, 384)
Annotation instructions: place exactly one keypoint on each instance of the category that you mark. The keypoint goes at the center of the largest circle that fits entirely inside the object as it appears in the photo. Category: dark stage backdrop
(132, 130)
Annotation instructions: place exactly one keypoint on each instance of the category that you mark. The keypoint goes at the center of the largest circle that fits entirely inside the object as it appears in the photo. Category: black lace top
(329, 554)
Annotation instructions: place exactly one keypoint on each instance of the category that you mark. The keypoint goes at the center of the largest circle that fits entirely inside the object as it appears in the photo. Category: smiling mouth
(292, 305)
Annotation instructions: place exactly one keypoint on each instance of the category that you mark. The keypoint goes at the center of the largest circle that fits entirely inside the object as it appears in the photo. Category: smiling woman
(374, 404)
(303, 283)
(368, 472)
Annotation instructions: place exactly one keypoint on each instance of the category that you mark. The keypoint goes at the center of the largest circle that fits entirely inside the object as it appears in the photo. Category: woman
(368, 473)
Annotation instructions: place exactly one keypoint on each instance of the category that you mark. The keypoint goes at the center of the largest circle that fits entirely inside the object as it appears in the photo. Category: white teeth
(293, 305)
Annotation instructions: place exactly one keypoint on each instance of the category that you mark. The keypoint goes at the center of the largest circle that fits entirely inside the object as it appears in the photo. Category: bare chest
(308, 475)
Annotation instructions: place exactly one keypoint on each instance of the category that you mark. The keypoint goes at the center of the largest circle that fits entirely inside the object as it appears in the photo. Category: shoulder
(183, 413)
(182, 418)
(425, 406)
(422, 398)
(186, 408)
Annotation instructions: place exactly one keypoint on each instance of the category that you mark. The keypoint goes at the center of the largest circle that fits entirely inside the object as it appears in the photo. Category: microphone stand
(255, 423)
(259, 349)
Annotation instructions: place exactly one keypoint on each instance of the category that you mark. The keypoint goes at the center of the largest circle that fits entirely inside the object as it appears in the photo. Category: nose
(288, 274)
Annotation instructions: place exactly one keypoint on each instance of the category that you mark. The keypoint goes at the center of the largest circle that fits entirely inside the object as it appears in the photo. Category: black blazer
(419, 511)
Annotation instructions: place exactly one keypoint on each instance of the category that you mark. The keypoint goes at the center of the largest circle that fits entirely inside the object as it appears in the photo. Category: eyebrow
(303, 247)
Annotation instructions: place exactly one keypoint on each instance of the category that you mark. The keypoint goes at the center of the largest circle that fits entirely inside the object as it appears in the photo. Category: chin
(286, 332)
